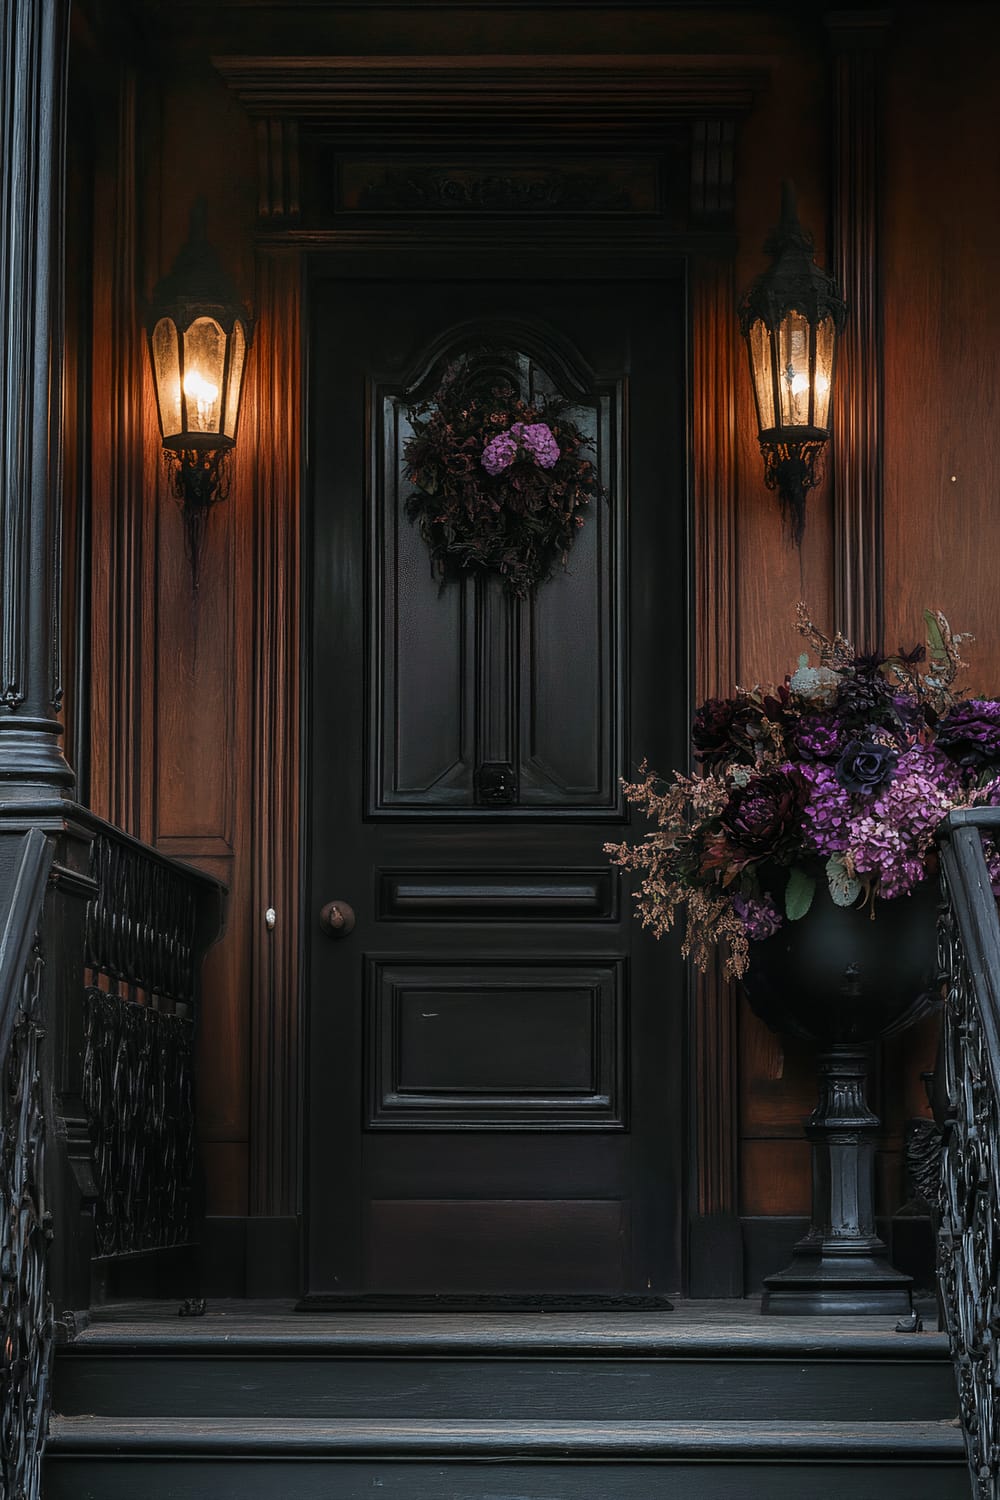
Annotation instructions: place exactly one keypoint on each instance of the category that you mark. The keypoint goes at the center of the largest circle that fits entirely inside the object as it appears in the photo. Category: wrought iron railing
(968, 1099)
(101, 942)
(145, 933)
(25, 1303)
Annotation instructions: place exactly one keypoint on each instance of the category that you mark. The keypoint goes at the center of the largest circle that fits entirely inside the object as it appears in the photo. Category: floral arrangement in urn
(836, 780)
(500, 482)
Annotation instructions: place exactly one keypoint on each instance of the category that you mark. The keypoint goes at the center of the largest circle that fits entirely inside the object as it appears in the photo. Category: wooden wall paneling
(857, 408)
(199, 767)
(771, 575)
(276, 420)
(942, 316)
(715, 1231)
(776, 1177)
(863, 195)
(277, 172)
(389, 98)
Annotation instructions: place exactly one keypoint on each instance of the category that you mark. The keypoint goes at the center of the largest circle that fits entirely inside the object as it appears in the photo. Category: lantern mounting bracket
(793, 469)
(198, 477)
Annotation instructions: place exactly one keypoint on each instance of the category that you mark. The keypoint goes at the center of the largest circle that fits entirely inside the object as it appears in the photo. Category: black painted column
(33, 60)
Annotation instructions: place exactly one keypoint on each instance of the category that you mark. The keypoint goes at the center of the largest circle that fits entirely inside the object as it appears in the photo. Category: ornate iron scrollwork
(969, 1197)
(25, 1306)
(139, 1048)
(139, 1096)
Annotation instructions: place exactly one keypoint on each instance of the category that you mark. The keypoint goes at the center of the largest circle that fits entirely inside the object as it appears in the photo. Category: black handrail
(25, 1304)
(968, 1092)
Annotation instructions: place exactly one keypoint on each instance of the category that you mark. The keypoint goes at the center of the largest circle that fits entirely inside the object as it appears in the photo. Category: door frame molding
(587, 103)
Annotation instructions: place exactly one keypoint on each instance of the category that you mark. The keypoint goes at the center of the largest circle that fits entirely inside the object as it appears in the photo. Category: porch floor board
(696, 1327)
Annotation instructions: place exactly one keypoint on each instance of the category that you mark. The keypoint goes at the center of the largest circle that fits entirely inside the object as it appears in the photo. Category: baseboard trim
(715, 1256)
(244, 1256)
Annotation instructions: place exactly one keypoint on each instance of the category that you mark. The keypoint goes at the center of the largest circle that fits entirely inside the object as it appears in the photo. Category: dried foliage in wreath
(500, 483)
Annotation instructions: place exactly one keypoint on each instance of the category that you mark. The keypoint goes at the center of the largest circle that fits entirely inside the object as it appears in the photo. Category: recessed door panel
(469, 678)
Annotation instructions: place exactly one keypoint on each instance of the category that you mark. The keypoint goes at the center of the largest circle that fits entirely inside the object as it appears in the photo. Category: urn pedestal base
(841, 1266)
(839, 1284)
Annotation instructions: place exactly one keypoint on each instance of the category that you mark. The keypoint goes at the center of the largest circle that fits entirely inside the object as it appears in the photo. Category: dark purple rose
(762, 816)
(817, 737)
(970, 732)
(719, 732)
(865, 766)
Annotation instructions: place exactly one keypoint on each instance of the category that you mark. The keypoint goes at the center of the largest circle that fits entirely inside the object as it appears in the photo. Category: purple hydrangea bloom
(827, 813)
(891, 841)
(539, 441)
(930, 762)
(500, 452)
(531, 440)
(761, 919)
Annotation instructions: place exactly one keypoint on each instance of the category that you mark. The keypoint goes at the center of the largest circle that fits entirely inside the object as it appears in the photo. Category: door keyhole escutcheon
(337, 919)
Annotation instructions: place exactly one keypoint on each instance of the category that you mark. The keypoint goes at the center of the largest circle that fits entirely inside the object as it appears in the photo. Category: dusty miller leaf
(844, 888)
(798, 893)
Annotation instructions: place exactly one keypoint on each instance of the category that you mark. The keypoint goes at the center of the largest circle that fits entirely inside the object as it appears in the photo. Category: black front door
(495, 1089)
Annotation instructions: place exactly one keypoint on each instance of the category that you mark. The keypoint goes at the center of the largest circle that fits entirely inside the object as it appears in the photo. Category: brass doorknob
(337, 919)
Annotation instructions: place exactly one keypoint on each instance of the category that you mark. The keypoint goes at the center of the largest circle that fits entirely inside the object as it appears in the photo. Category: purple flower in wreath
(532, 440)
(538, 439)
(500, 452)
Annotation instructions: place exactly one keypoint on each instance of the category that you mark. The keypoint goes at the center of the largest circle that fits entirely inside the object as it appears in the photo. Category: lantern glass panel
(204, 367)
(826, 337)
(760, 369)
(236, 358)
(794, 384)
(166, 372)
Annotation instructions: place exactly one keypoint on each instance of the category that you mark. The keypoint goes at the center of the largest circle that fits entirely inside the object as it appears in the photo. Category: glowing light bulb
(800, 384)
(203, 393)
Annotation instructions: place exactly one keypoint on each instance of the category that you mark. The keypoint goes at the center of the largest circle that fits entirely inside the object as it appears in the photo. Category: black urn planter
(843, 978)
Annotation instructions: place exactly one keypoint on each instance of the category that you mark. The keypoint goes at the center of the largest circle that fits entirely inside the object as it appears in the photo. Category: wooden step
(472, 1368)
(100, 1458)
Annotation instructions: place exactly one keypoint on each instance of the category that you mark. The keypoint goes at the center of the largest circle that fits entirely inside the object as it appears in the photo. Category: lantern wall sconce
(199, 336)
(790, 318)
